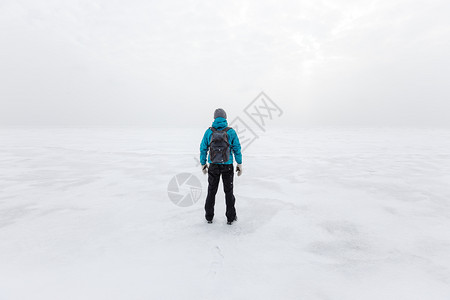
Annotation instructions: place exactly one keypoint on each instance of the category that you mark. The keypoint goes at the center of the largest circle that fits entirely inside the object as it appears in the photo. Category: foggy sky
(171, 63)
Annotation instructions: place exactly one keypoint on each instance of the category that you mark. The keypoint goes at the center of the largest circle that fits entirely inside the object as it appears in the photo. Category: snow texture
(323, 214)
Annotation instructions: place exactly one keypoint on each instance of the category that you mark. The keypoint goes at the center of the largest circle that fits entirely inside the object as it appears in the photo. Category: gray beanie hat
(220, 113)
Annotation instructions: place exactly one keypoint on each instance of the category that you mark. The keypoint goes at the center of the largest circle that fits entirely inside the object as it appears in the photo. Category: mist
(171, 63)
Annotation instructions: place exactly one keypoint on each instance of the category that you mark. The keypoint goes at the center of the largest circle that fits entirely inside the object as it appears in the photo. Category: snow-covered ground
(323, 214)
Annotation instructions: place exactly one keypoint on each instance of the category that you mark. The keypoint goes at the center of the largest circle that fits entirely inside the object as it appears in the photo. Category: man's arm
(204, 147)
(236, 146)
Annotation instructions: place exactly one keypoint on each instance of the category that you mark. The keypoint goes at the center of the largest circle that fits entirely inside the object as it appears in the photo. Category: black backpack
(219, 146)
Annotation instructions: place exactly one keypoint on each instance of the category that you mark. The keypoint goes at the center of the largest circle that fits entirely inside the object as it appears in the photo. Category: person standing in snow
(222, 142)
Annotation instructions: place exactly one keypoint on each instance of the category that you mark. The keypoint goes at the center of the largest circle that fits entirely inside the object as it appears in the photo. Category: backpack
(219, 147)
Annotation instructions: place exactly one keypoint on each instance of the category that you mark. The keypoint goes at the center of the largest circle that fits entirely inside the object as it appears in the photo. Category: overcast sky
(171, 63)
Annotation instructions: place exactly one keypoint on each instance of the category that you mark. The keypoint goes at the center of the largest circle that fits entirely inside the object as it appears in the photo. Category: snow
(323, 214)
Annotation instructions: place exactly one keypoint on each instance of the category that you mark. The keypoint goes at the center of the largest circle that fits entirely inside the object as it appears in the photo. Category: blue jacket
(235, 146)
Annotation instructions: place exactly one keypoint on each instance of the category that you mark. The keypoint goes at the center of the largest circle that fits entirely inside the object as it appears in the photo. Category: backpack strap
(215, 129)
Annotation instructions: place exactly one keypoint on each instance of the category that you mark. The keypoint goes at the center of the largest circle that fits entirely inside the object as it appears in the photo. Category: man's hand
(239, 169)
(205, 168)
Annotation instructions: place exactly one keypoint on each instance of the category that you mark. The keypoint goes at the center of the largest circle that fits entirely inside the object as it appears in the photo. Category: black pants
(214, 172)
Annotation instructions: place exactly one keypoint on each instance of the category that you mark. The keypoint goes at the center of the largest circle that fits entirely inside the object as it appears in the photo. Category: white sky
(171, 63)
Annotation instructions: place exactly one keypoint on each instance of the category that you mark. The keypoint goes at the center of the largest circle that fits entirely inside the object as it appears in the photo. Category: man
(222, 142)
